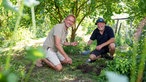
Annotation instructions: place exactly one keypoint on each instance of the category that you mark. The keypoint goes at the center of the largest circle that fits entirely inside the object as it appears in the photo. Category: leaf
(34, 53)
(6, 76)
(2, 77)
(26, 16)
(13, 77)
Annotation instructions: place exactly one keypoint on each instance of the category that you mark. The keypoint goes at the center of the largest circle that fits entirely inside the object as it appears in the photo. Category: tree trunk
(138, 33)
(73, 35)
(139, 29)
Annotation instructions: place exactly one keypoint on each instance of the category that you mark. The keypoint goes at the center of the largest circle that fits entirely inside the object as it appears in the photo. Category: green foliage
(50, 12)
(73, 49)
(136, 10)
(76, 49)
(6, 76)
(144, 73)
(120, 65)
(8, 4)
(142, 6)
(102, 77)
(82, 46)
(141, 57)
(23, 34)
(118, 40)
(34, 54)
(5, 35)
(58, 10)
(124, 36)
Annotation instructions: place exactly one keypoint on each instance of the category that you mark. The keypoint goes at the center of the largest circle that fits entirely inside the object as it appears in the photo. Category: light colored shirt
(58, 30)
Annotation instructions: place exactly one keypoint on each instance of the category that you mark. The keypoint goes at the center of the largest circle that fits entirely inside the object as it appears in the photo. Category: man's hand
(74, 43)
(99, 47)
(68, 60)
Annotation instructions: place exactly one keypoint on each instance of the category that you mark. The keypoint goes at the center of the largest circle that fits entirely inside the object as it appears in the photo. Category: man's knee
(58, 67)
(93, 57)
(112, 46)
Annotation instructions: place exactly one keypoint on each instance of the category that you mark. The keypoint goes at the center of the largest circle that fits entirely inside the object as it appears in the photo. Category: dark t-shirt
(107, 34)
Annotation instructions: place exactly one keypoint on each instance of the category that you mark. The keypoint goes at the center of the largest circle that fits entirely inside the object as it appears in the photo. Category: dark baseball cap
(100, 20)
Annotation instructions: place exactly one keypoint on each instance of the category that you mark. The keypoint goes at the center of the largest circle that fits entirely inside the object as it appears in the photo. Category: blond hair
(71, 15)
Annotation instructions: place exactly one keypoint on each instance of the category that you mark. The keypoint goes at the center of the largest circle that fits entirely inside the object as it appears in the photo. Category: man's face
(69, 21)
(101, 26)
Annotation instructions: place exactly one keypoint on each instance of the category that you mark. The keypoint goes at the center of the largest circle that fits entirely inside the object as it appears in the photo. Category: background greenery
(22, 25)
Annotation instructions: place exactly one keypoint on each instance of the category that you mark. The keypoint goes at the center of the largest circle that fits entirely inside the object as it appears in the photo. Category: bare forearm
(61, 50)
(67, 43)
(89, 42)
(70, 43)
(59, 46)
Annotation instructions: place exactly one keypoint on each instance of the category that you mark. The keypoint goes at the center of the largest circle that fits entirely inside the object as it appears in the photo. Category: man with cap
(104, 36)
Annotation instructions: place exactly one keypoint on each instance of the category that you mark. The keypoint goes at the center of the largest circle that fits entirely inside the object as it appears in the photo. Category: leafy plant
(141, 61)
(120, 65)
(7, 76)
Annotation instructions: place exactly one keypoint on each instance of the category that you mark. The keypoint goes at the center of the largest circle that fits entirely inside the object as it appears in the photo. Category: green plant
(6, 76)
(142, 53)
(120, 65)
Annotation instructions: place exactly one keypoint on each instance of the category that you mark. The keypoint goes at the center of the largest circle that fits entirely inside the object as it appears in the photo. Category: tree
(136, 10)
(59, 9)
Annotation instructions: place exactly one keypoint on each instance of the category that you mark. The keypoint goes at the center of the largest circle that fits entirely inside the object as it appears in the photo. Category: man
(55, 54)
(105, 41)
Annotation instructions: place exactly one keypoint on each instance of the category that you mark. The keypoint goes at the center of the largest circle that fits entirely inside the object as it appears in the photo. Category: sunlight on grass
(67, 77)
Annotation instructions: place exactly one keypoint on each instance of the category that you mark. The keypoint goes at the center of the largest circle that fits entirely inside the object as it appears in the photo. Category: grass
(20, 66)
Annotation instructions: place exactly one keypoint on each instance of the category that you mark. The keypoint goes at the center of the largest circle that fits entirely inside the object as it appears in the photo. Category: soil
(86, 68)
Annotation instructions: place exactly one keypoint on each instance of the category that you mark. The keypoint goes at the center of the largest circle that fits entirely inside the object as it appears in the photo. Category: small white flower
(30, 3)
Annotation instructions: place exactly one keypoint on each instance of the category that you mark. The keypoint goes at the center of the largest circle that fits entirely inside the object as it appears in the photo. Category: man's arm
(89, 42)
(112, 40)
(67, 43)
(59, 46)
(70, 43)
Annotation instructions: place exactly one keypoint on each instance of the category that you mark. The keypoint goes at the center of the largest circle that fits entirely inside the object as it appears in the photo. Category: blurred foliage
(136, 10)
(141, 57)
(34, 54)
(81, 47)
(116, 78)
(124, 62)
(50, 12)
(7, 76)
(120, 65)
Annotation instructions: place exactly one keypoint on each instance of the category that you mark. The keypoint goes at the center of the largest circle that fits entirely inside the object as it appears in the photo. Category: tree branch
(80, 7)
(57, 7)
(55, 17)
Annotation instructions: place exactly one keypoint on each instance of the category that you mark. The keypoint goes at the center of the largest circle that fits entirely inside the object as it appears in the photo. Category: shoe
(106, 56)
(90, 61)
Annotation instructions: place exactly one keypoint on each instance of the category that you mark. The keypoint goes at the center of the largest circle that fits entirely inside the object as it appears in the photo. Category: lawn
(77, 72)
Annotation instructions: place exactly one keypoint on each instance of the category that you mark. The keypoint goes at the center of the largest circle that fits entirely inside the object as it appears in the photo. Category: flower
(30, 3)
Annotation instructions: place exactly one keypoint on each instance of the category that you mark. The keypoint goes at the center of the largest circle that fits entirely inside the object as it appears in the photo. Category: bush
(120, 65)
